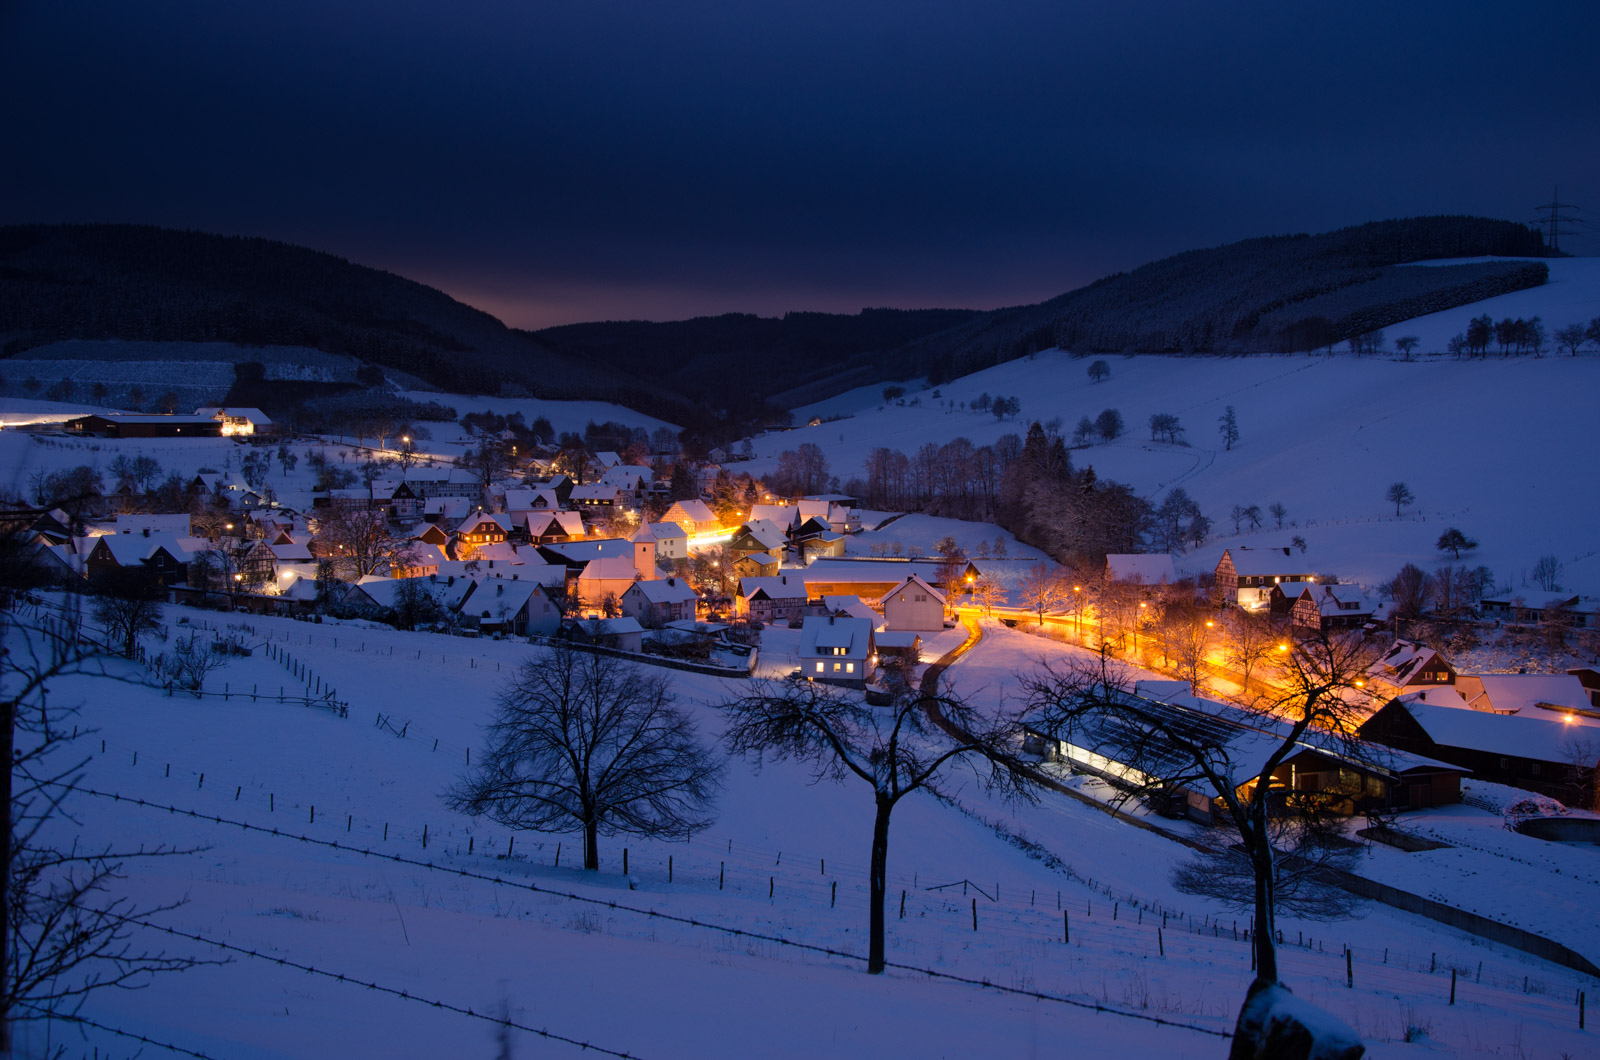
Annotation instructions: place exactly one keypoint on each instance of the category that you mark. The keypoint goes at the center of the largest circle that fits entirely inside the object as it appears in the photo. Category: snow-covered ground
(567, 960)
(1495, 447)
(1570, 296)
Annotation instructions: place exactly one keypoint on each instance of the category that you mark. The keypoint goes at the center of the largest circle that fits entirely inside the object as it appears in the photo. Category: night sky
(554, 162)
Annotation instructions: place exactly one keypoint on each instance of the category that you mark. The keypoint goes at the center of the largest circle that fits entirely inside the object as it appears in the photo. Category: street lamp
(1077, 610)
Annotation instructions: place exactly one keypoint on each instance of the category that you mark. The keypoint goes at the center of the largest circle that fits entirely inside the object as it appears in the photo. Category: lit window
(819, 668)
(835, 667)
(850, 668)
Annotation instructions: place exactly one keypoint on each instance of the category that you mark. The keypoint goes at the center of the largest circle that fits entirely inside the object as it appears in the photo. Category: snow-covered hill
(1499, 448)
(575, 957)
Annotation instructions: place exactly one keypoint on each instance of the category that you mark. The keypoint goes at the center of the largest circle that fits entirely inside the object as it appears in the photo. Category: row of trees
(1518, 336)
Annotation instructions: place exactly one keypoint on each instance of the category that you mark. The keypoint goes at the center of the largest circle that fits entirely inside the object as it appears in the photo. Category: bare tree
(1405, 344)
(1099, 371)
(360, 541)
(129, 603)
(1249, 641)
(1278, 512)
(1043, 588)
(586, 740)
(61, 937)
(896, 750)
(1399, 495)
(1317, 702)
(1546, 573)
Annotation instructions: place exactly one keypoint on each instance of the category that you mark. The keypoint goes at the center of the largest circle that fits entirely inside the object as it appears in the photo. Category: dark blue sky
(566, 161)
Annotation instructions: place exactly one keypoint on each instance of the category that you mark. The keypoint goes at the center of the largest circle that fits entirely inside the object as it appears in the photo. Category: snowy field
(1496, 447)
(547, 946)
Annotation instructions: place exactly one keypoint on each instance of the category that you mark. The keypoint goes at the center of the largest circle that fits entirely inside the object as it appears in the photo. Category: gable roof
(773, 587)
(1524, 694)
(1266, 562)
(1449, 722)
(852, 634)
(664, 591)
(695, 511)
(915, 581)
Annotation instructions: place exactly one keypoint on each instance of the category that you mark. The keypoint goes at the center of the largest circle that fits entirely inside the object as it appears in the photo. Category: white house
(659, 601)
(913, 605)
(837, 651)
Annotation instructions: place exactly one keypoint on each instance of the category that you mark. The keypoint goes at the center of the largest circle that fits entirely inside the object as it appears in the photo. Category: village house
(1246, 576)
(543, 528)
(693, 516)
(145, 426)
(837, 651)
(1408, 665)
(815, 538)
(1115, 745)
(850, 607)
(756, 565)
(512, 606)
(1538, 606)
(771, 599)
(1548, 753)
(872, 579)
(659, 601)
(596, 498)
(759, 535)
(163, 555)
(237, 422)
(478, 530)
(672, 543)
(1524, 694)
(914, 605)
(1324, 607)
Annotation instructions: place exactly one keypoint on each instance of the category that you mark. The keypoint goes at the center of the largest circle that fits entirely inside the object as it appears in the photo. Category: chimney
(147, 531)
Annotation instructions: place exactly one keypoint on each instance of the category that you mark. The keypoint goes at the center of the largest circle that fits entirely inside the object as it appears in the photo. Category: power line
(1557, 225)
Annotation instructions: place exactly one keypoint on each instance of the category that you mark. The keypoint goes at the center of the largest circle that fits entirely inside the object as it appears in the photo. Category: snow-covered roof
(694, 511)
(1523, 694)
(255, 416)
(448, 508)
(1338, 599)
(850, 606)
(527, 500)
(128, 549)
(664, 531)
(1267, 562)
(818, 632)
(610, 569)
(592, 549)
(595, 491)
(897, 639)
(761, 559)
(664, 591)
(781, 515)
(767, 533)
(916, 582)
(1150, 568)
(773, 587)
(1449, 722)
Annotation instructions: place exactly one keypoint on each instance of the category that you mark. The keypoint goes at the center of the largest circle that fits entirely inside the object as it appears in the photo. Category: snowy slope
(1497, 447)
(1570, 296)
(580, 963)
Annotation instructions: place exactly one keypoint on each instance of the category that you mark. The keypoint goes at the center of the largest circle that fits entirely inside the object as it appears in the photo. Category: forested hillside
(145, 283)
(1280, 293)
